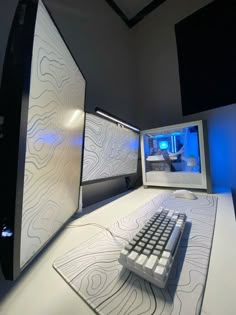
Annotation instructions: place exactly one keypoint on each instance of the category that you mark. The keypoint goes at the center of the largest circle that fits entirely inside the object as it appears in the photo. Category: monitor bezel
(204, 158)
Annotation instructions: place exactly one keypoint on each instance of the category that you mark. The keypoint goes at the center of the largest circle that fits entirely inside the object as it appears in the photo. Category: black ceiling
(139, 16)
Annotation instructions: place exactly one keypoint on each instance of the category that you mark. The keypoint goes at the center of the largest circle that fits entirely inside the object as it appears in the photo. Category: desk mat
(93, 271)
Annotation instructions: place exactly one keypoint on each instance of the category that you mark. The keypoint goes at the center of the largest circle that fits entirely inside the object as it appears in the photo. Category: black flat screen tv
(42, 127)
(206, 48)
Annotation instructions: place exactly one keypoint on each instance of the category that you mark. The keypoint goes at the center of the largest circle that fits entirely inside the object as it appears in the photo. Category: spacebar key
(170, 246)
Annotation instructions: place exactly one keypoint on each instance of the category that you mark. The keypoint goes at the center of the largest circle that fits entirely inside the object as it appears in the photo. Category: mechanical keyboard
(152, 251)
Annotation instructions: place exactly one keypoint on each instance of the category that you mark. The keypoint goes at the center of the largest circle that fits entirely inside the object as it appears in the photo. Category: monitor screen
(175, 155)
(42, 136)
(110, 150)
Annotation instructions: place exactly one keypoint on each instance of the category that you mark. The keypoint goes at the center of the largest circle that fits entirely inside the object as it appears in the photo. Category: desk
(41, 291)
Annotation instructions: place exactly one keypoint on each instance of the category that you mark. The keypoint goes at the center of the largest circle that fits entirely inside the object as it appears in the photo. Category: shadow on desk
(173, 280)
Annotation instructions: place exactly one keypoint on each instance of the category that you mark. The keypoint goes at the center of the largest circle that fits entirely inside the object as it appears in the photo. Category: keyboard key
(128, 247)
(152, 242)
(163, 238)
(159, 272)
(170, 246)
(141, 261)
(150, 264)
(138, 249)
(166, 255)
(141, 244)
(146, 252)
(163, 262)
(156, 253)
(123, 255)
(170, 213)
(159, 247)
(132, 256)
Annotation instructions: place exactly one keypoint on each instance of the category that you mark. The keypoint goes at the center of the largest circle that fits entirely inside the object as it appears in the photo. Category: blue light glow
(6, 232)
(134, 145)
(77, 141)
(163, 145)
(168, 135)
(49, 138)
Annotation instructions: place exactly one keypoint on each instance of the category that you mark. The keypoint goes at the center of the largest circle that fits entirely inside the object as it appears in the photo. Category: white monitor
(42, 93)
(110, 150)
(176, 156)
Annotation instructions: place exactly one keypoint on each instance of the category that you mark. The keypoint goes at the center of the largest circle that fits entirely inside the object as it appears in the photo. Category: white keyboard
(151, 252)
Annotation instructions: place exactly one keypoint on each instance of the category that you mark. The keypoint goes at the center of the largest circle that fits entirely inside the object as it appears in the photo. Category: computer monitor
(176, 156)
(110, 150)
(42, 123)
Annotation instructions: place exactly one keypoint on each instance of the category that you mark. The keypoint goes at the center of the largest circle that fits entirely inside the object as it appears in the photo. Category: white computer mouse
(185, 194)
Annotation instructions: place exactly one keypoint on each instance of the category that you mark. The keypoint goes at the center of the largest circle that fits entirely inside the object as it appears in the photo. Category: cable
(99, 226)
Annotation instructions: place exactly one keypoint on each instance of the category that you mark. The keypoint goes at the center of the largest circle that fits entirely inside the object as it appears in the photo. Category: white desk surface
(42, 291)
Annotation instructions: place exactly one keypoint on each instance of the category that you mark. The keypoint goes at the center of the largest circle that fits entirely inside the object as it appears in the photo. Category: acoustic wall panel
(109, 150)
(45, 173)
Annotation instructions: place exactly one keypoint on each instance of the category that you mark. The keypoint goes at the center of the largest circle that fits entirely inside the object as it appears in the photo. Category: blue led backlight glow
(6, 232)
(163, 145)
(176, 133)
(133, 145)
(49, 138)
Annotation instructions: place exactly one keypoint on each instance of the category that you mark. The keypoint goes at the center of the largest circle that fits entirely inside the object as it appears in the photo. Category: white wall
(159, 87)
(100, 42)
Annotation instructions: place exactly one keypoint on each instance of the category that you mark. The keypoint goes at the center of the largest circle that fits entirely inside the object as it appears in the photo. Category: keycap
(159, 272)
(141, 244)
(137, 249)
(123, 255)
(128, 247)
(170, 246)
(150, 264)
(141, 261)
(146, 252)
(156, 252)
(132, 256)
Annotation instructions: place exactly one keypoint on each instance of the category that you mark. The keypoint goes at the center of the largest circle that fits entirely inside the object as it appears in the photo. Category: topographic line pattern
(109, 150)
(93, 271)
(54, 138)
